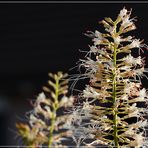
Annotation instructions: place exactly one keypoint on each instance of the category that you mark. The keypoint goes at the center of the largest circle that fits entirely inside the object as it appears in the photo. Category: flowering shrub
(114, 108)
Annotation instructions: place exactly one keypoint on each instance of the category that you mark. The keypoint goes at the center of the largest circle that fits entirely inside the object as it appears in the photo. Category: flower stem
(114, 101)
(55, 107)
(51, 129)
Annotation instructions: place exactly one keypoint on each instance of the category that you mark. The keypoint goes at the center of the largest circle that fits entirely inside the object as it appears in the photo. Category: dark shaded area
(39, 38)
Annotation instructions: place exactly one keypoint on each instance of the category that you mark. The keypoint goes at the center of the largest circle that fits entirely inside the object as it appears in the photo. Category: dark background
(39, 38)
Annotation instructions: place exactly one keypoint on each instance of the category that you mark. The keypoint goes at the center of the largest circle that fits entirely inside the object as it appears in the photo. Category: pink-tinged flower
(131, 88)
(127, 39)
(117, 40)
(130, 60)
(90, 65)
(133, 111)
(139, 73)
(126, 22)
(93, 49)
(111, 30)
(99, 35)
(97, 41)
(135, 44)
(98, 38)
(138, 60)
(127, 68)
(89, 92)
(123, 12)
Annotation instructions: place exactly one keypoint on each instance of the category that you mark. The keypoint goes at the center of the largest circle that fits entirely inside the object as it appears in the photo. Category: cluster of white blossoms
(89, 92)
(130, 60)
(112, 108)
(115, 93)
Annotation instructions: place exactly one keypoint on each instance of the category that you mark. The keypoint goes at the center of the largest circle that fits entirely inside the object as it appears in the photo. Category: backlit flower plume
(115, 94)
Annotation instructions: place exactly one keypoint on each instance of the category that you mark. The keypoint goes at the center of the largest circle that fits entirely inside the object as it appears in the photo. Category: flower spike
(46, 126)
(115, 94)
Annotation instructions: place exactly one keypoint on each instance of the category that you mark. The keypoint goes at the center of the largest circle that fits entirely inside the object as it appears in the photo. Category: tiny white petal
(123, 12)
